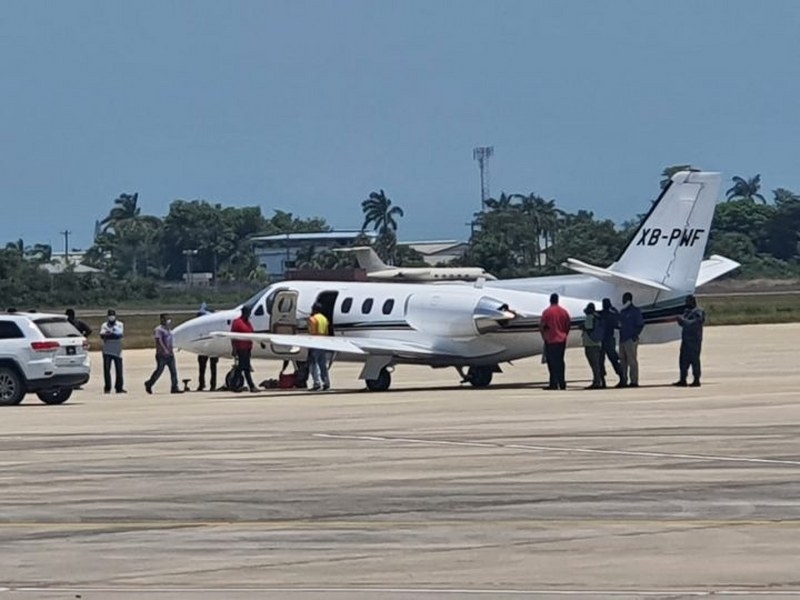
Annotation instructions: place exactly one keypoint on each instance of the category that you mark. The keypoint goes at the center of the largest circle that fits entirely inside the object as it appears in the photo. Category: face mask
(112, 319)
(626, 304)
(169, 322)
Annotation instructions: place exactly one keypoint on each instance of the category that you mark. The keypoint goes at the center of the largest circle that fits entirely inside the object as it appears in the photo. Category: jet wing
(320, 342)
(713, 267)
(369, 345)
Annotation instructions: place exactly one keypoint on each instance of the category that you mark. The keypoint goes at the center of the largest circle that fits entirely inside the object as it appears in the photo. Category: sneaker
(122, 391)
(621, 384)
(679, 384)
(327, 386)
(695, 383)
(253, 390)
(633, 385)
(315, 388)
(200, 388)
(148, 387)
(176, 391)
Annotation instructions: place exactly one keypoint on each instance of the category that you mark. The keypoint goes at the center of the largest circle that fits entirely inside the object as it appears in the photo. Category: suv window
(57, 328)
(10, 331)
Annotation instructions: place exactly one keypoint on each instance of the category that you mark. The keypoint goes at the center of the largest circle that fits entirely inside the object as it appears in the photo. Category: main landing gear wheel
(382, 383)
(480, 377)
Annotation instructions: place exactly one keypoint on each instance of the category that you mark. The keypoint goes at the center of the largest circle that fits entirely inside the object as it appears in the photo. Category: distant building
(74, 263)
(278, 253)
(436, 252)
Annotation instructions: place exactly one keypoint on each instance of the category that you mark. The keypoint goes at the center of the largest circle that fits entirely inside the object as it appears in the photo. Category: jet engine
(455, 314)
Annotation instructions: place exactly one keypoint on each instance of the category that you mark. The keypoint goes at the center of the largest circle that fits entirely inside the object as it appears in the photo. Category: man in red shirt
(243, 348)
(554, 325)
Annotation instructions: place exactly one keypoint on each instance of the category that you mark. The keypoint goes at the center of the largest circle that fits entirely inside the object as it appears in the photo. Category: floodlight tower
(482, 155)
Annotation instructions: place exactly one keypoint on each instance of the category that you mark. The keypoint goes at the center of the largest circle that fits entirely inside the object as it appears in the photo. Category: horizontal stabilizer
(614, 277)
(715, 266)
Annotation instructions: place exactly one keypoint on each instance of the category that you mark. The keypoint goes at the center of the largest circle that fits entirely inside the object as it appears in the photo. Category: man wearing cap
(111, 332)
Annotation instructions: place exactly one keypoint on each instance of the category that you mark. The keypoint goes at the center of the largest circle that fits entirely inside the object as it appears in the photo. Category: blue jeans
(161, 362)
(318, 362)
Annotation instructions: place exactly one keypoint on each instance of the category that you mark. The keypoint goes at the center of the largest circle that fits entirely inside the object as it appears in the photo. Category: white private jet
(375, 268)
(482, 325)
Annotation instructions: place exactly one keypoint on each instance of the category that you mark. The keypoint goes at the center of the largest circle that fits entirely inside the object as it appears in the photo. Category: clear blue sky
(307, 106)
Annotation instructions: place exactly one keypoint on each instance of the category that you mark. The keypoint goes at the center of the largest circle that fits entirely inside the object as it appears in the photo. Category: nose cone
(194, 334)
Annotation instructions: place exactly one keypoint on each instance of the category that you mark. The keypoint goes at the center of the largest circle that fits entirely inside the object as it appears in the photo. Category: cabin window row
(366, 306)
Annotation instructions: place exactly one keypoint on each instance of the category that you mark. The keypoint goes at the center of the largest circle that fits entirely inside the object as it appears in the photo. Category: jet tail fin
(668, 247)
(367, 258)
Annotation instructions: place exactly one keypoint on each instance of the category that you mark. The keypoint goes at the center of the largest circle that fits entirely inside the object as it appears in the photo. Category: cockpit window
(251, 302)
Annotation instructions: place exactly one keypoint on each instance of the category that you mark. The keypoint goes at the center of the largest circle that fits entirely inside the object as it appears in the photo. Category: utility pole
(66, 234)
(189, 254)
(482, 155)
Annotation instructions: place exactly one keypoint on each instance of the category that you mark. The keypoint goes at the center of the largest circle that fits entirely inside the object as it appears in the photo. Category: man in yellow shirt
(318, 324)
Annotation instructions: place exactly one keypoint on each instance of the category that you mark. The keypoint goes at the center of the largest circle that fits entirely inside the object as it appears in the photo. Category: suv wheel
(11, 389)
(58, 396)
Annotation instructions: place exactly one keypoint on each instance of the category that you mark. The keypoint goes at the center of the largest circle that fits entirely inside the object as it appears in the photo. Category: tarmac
(430, 490)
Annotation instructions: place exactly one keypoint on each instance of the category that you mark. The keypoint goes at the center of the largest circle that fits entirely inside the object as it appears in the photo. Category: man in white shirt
(111, 332)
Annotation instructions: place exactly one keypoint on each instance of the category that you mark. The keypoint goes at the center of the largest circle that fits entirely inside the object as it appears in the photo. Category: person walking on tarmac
(592, 338)
(631, 323)
(242, 349)
(555, 324)
(610, 319)
(318, 324)
(165, 356)
(691, 323)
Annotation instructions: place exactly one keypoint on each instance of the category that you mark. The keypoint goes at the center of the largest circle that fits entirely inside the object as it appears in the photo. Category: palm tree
(379, 212)
(133, 233)
(746, 189)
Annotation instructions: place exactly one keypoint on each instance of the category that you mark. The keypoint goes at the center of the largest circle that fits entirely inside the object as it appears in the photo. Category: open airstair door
(283, 320)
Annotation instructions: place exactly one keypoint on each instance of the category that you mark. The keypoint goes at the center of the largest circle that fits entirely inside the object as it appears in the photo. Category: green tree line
(142, 256)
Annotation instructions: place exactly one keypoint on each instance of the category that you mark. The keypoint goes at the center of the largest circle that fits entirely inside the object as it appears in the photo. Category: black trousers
(555, 365)
(202, 362)
(108, 360)
(243, 367)
(610, 352)
(690, 357)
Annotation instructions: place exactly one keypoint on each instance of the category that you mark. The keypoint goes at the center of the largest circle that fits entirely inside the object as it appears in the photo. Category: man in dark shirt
(691, 323)
(609, 316)
(631, 324)
(85, 330)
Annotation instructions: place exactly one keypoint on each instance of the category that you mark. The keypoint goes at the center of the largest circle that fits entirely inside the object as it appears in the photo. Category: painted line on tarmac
(432, 591)
(561, 449)
(323, 524)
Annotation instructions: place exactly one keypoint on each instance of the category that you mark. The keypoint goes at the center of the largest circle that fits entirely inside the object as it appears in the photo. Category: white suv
(43, 354)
